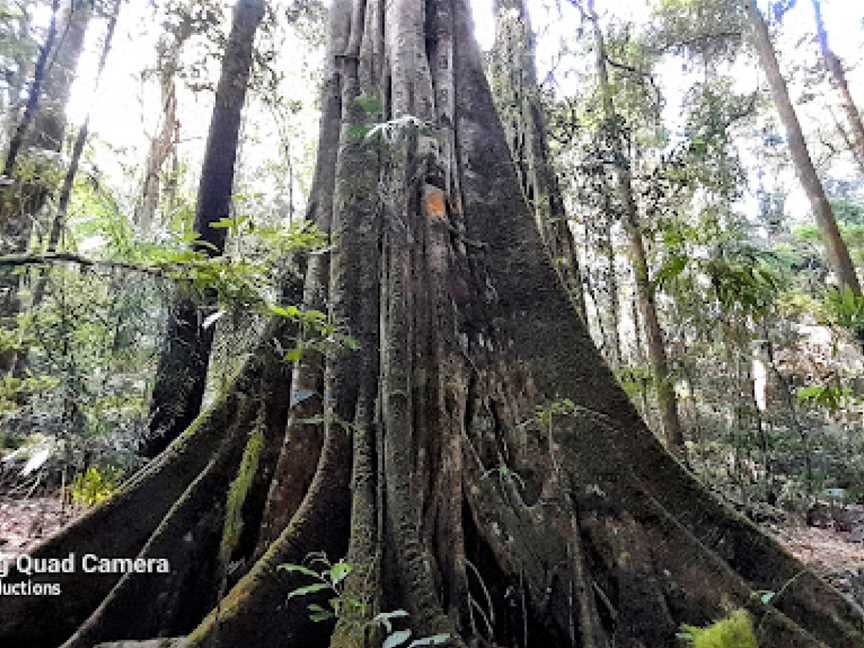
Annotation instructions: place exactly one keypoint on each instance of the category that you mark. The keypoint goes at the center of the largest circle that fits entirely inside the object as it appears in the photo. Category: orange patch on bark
(434, 201)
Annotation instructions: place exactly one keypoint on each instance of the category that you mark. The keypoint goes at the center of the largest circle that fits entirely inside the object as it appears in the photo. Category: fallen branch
(18, 260)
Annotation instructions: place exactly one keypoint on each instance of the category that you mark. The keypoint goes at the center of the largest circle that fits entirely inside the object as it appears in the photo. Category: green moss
(735, 631)
(237, 495)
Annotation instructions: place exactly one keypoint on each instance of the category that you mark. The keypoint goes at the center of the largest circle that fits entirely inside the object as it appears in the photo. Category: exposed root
(122, 525)
(363, 586)
(297, 455)
(255, 613)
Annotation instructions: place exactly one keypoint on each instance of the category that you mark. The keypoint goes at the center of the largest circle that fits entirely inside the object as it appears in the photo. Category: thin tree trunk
(835, 247)
(163, 145)
(39, 135)
(610, 279)
(33, 98)
(182, 370)
(838, 80)
(667, 402)
(520, 108)
(15, 77)
(58, 223)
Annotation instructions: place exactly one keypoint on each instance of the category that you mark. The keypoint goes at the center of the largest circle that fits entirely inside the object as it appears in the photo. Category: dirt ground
(837, 556)
(24, 522)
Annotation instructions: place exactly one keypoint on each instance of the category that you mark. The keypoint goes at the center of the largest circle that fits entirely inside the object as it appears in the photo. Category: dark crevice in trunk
(515, 616)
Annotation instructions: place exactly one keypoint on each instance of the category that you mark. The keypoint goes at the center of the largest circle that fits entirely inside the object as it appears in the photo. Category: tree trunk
(34, 99)
(835, 248)
(182, 370)
(163, 144)
(58, 223)
(477, 461)
(519, 105)
(667, 401)
(16, 76)
(38, 140)
(838, 80)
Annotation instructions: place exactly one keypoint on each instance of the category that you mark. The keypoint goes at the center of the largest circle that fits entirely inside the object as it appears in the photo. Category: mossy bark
(498, 488)
(181, 374)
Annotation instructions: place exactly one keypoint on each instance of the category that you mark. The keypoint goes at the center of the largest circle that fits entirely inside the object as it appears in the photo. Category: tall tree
(58, 223)
(163, 144)
(18, 359)
(838, 80)
(31, 159)
(494, 469)
(517, 98)
(835, 247)
(15, 63)
(667, 401)
(182, 371)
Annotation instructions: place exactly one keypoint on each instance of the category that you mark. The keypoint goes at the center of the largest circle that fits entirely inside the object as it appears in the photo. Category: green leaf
(319, 613)
(339, 572)
(299, 569)
(308, 589)
(384, 618)
(396, 639)
(230, 222)
(673, 267)
(288, 312)
(369, 104)
(358, 132)
(294, 355)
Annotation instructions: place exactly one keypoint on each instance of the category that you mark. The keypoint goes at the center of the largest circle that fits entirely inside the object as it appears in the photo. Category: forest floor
(26, 521)
(835, 554)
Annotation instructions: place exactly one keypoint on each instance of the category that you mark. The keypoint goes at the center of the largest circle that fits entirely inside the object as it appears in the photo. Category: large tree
(475, 459)
(519, 104)
(182, 371)
(835, 247)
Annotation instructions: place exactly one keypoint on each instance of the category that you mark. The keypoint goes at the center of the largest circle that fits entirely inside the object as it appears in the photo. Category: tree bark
(838, 80)
(182, 370)
(835, 247)
(473, 471)
(667, 401)
(163, 144)
(519, 105)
